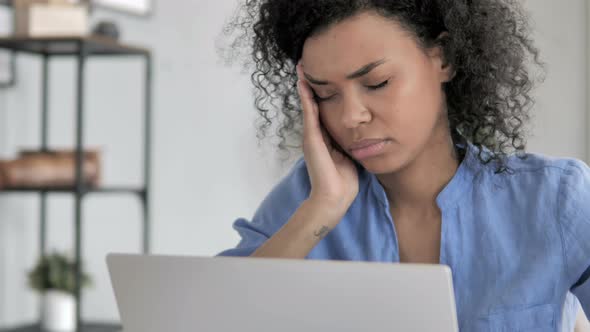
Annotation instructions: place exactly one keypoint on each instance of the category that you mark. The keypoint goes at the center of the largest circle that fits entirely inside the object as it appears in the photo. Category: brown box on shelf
(51, 169)
(21, 3)
(49, 18)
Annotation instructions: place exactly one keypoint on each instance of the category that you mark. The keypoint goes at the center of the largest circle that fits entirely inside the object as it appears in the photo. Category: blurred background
(206, 166)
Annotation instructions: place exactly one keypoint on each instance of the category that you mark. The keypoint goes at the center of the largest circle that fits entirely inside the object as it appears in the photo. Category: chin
(383, 164)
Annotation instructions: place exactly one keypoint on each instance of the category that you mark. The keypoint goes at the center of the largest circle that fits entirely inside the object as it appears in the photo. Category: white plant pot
(59, 311)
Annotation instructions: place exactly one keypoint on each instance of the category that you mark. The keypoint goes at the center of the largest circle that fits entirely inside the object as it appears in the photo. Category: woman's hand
(333, 175)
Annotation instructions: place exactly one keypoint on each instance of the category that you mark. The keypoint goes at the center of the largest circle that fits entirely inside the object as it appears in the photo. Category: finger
(314, 136)
(326, 137)
(314, 117)
(311, 125)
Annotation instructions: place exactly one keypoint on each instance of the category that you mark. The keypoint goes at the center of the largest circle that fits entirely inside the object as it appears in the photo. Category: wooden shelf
(86, 327)
(94, 45)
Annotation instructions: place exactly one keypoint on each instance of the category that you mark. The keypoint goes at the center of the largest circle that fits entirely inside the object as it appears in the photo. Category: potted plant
(54, 278)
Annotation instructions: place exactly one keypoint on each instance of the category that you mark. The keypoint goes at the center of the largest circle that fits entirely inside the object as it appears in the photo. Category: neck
(413, 189)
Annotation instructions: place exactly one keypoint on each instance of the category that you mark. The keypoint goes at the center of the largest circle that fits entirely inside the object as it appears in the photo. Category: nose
(354, 113)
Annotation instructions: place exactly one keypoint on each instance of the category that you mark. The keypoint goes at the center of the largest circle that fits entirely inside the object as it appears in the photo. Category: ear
(444, 69)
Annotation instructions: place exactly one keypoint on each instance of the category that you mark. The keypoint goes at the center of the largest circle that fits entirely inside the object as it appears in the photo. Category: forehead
(356, 41)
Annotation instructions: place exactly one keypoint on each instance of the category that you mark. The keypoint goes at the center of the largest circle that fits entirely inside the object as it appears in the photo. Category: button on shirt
(518, 242)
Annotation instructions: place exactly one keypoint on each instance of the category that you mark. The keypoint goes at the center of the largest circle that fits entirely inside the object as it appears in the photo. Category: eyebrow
(359, 73)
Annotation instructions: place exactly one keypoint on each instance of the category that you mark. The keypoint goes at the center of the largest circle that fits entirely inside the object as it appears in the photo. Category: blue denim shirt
(518, 243)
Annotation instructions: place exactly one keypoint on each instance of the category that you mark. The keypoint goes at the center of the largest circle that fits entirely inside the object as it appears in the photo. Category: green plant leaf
(58, 272)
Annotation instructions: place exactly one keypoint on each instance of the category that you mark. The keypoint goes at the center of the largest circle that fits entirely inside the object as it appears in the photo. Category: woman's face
(374, 82)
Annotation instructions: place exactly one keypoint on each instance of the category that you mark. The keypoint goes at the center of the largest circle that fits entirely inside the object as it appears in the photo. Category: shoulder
(295, 185)
(536, 185)
(531, 162)
(286, 196)
(536, 162)
(533, 171)
(274, 211)
(559, 186)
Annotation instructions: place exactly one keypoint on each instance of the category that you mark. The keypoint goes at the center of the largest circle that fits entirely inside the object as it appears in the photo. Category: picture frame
(134, 7)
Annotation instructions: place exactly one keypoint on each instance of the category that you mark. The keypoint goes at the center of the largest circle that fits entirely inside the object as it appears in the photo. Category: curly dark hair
(486, 41)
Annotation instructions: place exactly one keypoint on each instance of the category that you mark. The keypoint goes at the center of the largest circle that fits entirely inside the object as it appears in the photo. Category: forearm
(306, 228)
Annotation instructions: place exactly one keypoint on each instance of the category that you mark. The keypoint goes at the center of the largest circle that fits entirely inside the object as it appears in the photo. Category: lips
(365, 143)
(368, 148)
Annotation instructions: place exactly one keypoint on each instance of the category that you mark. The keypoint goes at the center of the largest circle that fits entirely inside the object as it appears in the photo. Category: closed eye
(319, 99)
(378, 86)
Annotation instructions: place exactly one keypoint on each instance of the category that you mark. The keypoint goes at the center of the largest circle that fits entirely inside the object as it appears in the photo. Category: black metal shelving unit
(83, 48)
(87, 327)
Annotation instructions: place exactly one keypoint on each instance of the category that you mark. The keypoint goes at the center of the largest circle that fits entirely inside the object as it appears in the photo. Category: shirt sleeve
(274, 211)
(574, 196)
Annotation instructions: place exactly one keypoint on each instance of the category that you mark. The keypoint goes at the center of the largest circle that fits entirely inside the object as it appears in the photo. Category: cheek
(420, 103)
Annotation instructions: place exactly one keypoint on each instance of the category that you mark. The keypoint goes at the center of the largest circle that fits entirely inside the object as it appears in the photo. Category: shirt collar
(460, 183)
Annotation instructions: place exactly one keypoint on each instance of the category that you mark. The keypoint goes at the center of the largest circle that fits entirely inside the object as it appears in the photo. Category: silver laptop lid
(170, 293)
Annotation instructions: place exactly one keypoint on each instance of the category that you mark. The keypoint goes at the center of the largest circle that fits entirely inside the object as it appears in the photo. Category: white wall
(207, 170)
(560, 115)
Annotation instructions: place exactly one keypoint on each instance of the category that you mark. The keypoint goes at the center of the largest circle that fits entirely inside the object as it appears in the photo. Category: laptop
(230, 294)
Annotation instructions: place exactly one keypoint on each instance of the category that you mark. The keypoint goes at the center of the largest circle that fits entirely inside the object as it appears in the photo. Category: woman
(413, 116)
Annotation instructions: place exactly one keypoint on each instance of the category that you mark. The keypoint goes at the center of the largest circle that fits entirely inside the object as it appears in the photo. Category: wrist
(328, 212)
